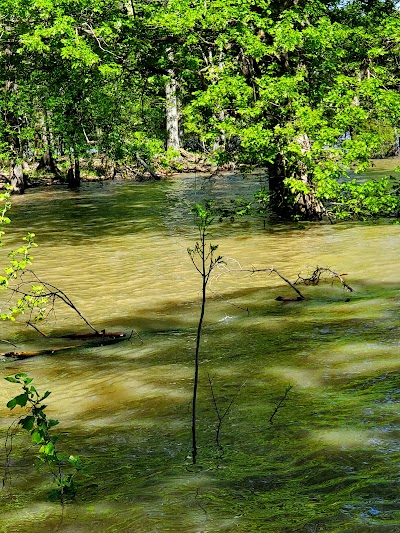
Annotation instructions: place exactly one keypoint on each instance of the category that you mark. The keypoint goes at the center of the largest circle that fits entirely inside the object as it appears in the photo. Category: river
(329, 459)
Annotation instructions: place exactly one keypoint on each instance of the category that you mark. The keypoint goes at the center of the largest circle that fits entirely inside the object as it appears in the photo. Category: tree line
(304, 89)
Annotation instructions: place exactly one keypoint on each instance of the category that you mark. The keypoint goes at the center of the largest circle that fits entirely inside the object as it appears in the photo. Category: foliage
(39, 427)
(19, 260)
(307, 88)
(365, 200)
(303, 89)
(28, 294)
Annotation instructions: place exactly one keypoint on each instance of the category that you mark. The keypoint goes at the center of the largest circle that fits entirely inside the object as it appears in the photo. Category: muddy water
(328, 462)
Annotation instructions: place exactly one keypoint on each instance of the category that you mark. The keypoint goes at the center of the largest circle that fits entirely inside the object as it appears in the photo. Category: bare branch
(8, 342)
(279, 405)
(36, 328)
(218, 411)
(273, 270)
(317, 275)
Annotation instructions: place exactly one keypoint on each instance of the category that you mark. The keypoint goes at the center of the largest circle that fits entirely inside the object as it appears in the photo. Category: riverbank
(37, 173)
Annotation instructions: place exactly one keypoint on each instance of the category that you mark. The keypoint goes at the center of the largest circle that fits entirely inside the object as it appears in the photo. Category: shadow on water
(327, 463)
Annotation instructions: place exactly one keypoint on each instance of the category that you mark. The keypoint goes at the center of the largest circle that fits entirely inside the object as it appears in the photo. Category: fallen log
(103, 334)
(94, 340)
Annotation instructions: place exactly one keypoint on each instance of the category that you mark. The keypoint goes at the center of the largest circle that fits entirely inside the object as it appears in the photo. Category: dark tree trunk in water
(47, 163)
(74, 174)
(285, 203)
(17, 178)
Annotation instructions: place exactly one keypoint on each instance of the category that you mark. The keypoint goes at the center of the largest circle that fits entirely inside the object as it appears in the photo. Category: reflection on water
(329, 461)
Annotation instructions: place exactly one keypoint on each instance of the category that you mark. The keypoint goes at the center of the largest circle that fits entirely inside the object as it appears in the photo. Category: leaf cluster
(39, 427)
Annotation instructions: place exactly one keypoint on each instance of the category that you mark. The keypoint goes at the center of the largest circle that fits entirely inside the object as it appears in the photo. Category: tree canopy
(305, 89)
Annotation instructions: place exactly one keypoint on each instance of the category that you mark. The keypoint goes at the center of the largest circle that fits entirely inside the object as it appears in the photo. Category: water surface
(329, 461)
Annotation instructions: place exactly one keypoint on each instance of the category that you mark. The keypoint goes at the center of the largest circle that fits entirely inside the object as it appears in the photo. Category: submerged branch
(221, 415)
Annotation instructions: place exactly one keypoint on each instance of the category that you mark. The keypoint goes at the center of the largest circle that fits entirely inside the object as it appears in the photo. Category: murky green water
(330, 460)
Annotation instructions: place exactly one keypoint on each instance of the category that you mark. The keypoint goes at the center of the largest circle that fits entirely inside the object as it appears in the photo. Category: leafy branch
(40, 298)
(39, 427)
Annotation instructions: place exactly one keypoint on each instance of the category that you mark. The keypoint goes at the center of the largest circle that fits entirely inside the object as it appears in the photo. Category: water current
(330, 459)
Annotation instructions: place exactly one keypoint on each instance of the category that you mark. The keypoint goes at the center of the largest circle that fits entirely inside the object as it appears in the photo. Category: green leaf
(37, 437)
(24, 377)
(47, 449)
(12, 403)
(21, 400)
(11, 379)
(45, 395)
(27, 423)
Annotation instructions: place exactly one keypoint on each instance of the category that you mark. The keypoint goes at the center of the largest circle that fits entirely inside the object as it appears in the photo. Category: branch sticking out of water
(319, 274)
(221, 414)
(273, 270)
(36, 328)
(280, 404)
(323, 274)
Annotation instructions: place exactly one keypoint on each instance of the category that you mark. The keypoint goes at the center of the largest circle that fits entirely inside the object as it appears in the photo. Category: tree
(204, 260)
(76, 82)
(303, 89)
(299, 83)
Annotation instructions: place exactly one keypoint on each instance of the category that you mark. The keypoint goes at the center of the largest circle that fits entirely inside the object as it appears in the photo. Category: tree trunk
(285, 203)
(172, 107)
(48, 163)
(288, 205)
(74, 174)
(17, 178)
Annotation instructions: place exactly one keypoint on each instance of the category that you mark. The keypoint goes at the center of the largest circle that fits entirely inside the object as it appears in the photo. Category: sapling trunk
(197, 352)
(207, 261)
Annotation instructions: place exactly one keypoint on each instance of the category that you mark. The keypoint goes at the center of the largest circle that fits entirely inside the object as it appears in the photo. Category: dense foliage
(306, 89)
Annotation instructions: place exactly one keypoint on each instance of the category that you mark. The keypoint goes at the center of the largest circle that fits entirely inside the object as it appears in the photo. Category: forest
(303, 89)
(199, 288)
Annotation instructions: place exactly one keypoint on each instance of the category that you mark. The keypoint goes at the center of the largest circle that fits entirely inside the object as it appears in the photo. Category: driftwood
(323, 274)
(93, 340)
(319, 274)
(142, 162)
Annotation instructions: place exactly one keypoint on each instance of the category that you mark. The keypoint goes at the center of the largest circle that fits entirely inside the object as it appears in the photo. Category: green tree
(76, 80)
(304, 89)
(299, 84)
